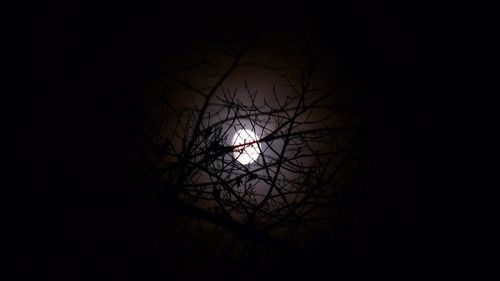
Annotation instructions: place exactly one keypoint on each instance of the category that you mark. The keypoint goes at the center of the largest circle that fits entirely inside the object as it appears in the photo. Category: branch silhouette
(305, 137)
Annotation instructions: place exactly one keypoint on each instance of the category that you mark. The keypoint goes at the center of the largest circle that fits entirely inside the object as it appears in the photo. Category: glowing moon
(248, 153)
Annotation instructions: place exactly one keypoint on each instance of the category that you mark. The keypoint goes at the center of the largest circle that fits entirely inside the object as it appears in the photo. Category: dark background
(412, 60)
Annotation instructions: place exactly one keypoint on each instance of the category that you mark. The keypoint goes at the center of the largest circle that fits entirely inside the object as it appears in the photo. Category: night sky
(406, 59)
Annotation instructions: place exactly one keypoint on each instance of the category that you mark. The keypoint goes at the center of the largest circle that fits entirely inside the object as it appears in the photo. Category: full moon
(248, 153)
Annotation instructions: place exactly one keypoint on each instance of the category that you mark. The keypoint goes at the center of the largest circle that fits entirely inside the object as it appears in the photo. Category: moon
(248, 153)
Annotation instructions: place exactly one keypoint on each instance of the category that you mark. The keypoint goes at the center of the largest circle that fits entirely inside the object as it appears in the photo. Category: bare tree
(251, 138)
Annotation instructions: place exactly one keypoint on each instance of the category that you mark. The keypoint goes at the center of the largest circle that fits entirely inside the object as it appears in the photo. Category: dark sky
(409, 58)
